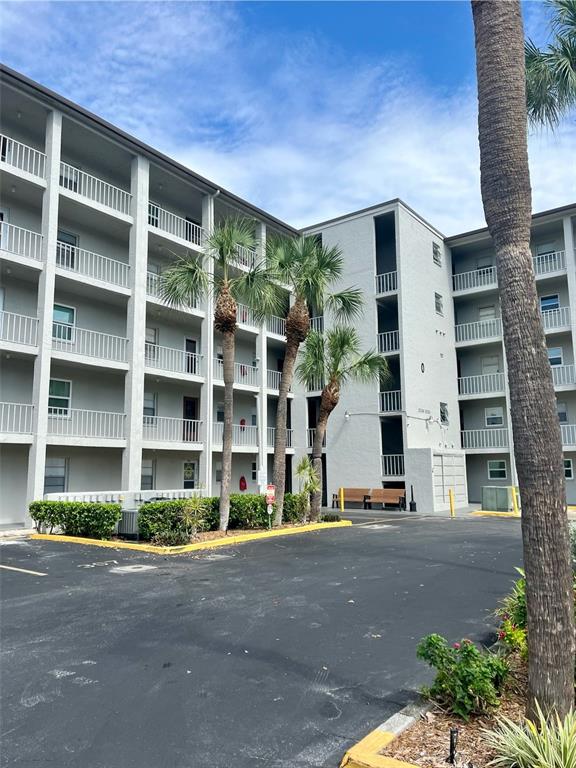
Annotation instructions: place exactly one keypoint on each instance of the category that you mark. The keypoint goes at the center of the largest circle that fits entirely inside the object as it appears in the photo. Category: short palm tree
(309, 483)
(551, 72)
(189, 280)
(335, 357)
(310, 270)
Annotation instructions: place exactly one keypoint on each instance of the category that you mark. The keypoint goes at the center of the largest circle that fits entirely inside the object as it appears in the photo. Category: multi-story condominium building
(105, 389)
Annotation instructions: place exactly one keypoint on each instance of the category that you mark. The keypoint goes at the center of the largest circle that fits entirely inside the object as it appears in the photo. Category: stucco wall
(13, 476)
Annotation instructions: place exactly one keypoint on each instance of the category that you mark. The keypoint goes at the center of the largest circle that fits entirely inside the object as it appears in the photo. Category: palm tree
(506, 195)
(309, 483)
(309, 270)
(334, 357)
(188, 280)
(551, 72)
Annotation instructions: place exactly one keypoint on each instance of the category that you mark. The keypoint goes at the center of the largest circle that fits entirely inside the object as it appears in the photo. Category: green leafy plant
(468, 680)
(513, 638)
(573, 544)
(331, 517)
(547, 743)
(76, 518)
(513, 606)
(309, 483)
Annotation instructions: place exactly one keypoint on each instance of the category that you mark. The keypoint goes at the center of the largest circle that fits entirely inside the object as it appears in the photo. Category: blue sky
(309, 110)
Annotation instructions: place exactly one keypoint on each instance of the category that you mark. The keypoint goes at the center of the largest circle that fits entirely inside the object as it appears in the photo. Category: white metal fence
(387, 282)
(18, 329)
(94, 189)
(22, 156)
(389, 341)
(310, 435)
(563, 375)
(153, 289)
(476, 278)
(568, 434)
(125, 497)
(22, 242)
(393, 465)
(496, 437)
(16, 418)
(479, 330)
(79, 341)
(391, 401)
(243, 436)
(167, 429)
(482, 384)
(316, 385)
(317, 323)
(175, 225)
(243, 373)
(245, 257)
(245, 316)
(549, 262)
(92, 265)
(74, 422)
(555, 318)
(276, 325)
(175, 360)
(273, 379)
(271, 436)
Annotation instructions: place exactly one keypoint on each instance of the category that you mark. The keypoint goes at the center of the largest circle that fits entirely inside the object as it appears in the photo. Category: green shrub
(171, 538)
(573, 543)
(330, 517)
(547, 743)
(513, 638)
(295, 507)
(513, 607)
(77, 518)
(468, 680)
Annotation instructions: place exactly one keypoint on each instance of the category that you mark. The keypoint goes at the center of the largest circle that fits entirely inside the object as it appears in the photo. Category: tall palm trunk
(297, 325)
(328, 401)
(506, 195)
(228, 346)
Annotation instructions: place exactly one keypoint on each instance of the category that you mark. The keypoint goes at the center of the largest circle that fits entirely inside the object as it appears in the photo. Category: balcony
(568, 435)
(310, 435)
(564, 375)
(317, 324)
(316, 385)
(243, 436)
(20, 242)
(245, 375)
(176, 226)
(479, 331)
(91, 188)
(21, 156)
(556, 319)
(485, 384)
(153, 291)
(170, 430)
(93, 265)
(276, 325)
(16, 418)
(475, 279)
(172, 360)
(245, 316)
(389, 342)
(393, 465)
(271, 435)
(549, 263)
(245, 257)
(495, 438)
(74, 422)
(273, 379)
(387, 282)
(71, 340)
(391, 401)
(18, 329)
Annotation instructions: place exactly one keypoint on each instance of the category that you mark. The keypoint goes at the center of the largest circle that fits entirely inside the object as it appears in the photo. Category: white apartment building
(105, 389)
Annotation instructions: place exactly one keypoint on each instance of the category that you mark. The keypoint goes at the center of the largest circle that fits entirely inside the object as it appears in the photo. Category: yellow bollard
(451, 499)
(341, 496)
(515, 502)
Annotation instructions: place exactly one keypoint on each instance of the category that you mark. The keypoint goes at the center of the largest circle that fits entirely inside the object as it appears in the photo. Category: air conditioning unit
(498, 498)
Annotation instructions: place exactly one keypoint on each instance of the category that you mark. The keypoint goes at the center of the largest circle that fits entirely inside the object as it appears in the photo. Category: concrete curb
(223, 542)
(366, 753)
(487, 513)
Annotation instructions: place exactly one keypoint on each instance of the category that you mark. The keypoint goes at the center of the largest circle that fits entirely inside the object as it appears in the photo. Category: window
(254, 471)
(59, 397)
(56, 475)
(147, 474)
(439, 304)
(548, 303)
(494, 416)
(555, 356)
(444, 413)
(189, 475)
(64, 319)
(487, 312)
(220, 413)
(436, 254)
(497, 469)
(149, 404)
(66, 249)
(218, 468)
(562, 412)
(568, 469)
(253, 420)
(491, 364)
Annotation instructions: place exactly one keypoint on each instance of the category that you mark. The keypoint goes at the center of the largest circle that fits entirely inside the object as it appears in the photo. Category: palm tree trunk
(281, 422)
(319, 435)
(506, 195)
(228, 346)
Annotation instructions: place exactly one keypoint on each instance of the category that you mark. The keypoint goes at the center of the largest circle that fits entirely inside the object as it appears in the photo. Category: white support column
(41, 381)
(570, 250)
(261, 397)
(513, 472)
(207, 349)
(136, 326)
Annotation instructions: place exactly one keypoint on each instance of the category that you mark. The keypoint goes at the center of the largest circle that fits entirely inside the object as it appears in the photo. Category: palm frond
(345, 305)
(312, 364)
(342, 346)
(230, 238)
(259, 290)
(185, 282)
(371, 366)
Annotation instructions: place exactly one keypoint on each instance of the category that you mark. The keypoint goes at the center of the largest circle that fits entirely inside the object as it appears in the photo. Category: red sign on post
(270, 494)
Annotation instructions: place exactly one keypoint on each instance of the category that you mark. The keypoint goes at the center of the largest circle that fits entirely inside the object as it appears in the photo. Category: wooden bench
(355, 495)
(385, 496)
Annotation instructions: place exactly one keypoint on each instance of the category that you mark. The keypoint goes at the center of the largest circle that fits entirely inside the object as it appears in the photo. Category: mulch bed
(427, 742)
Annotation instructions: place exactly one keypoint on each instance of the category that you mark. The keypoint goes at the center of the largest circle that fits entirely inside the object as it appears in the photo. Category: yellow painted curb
(223, 542)
(366, 753)
(487, 513)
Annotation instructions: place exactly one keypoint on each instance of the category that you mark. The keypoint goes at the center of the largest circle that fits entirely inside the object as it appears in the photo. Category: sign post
(270, 500)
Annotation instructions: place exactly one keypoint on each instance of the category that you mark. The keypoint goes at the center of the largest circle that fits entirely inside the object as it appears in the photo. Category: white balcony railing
(79, 341)
(22, 156)
(310, 435)
(273, 379)
(245, 316)
(243, 373)
(316, 385)
(389, 341)
(125, 497)
(563, 375)
(483, 384)
(92, 265)
(16, 418)
(485, 277)
(73, 422)
(175, 225)
(479, 330)
(18, 329)
(387, 282)
(153, 289)
(243, 436)
(568, 434)
(174, 360)
(166, 429)
(276, 325)
(549, 262)
(495, 437)
(553, 319)
(271, 436)
(393, 465)
(22, 242)
(391, 401)
(94, 189)
(317, 324)
(245, 257)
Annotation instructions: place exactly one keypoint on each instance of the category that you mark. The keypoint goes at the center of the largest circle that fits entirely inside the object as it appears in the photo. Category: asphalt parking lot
(276, 653)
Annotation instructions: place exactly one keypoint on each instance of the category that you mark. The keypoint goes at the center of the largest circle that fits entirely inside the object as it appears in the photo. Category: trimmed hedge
(77, 518)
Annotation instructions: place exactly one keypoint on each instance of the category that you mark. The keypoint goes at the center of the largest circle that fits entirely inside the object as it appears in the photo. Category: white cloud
(292, 125)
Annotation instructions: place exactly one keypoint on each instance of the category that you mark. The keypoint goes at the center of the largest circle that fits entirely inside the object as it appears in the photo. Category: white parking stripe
(23, 570)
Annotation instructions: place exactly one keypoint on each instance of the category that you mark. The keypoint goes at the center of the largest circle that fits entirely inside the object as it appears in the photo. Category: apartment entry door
(190, 416)
(190, 356)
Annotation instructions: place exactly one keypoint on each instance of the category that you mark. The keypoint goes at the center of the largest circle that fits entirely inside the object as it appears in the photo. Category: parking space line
(23, 570)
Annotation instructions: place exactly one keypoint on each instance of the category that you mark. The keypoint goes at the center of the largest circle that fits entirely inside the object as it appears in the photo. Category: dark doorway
(190, 415)
(191, 359)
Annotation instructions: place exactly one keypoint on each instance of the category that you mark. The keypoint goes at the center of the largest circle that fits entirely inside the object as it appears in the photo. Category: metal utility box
(497, 498)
